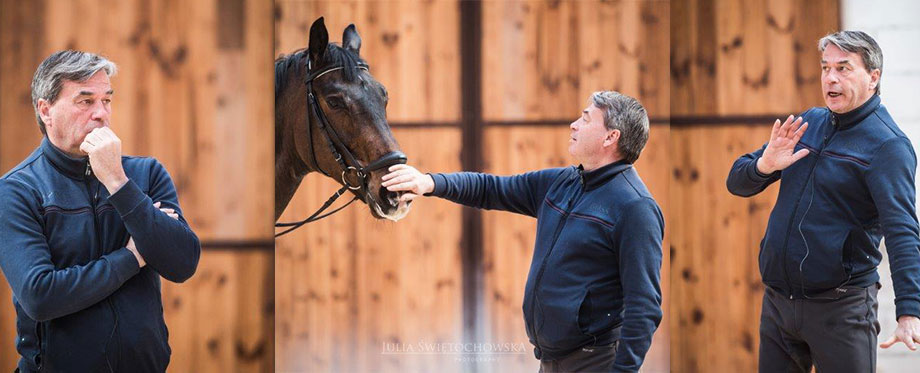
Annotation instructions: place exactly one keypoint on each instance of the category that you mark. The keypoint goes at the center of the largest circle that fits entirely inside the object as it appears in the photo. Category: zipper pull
(89, 171)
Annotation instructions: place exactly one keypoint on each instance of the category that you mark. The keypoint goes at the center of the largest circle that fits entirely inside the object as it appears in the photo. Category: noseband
(353, 172)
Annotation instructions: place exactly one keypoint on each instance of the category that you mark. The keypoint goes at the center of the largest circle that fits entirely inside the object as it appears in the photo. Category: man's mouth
(833, 94)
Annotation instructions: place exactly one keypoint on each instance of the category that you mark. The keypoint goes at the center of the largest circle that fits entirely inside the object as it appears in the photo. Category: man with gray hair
(592, 300)
(82, 242)
(846, 182)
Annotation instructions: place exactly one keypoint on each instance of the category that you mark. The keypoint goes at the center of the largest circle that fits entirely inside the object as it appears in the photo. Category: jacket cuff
(440, 185)
(124, 264)
(907, 307)
(127, 198)
(756, 175)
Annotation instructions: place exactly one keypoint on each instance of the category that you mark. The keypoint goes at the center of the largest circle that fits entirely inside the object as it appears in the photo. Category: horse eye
(335, 102)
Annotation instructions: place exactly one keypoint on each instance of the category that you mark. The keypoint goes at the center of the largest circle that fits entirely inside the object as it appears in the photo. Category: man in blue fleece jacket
(846, 182)
(86, 233)
(592, 300)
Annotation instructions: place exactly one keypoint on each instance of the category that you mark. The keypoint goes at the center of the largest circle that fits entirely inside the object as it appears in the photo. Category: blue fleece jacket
(82, 302)
(855, 186)
(597, 255)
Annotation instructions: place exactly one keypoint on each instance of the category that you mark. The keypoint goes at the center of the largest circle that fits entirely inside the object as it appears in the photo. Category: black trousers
(836, 331)
(587, 359)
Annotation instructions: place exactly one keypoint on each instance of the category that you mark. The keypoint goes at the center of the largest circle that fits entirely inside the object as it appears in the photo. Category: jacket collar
(852, 117)
(595, 178)
(76, 168)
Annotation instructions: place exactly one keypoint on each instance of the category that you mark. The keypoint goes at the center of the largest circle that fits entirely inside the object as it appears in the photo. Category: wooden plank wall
(735, 66)
(541, 62)
(342, 293)
(194, 90)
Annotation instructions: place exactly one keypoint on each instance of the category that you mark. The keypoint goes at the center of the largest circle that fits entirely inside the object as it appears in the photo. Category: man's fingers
(156, 204)
(890, 342)
(784, 129)
(96, 136)
(775, 130)
(86, 147)
(397, 180)
(398, 167)
(802, 153)
(401, 187)
(792, 127)
(407, 197)
(395, 174)
(908, 338)
(799, 132)
(102, 132)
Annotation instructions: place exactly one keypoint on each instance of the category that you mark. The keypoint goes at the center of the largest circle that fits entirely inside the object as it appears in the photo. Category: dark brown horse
(349, 118)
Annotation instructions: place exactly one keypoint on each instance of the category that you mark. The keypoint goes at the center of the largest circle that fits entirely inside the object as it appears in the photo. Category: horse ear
(319, 39)
(351, 40)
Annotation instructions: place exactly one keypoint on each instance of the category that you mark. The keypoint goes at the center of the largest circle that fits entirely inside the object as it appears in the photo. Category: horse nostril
(391, 197)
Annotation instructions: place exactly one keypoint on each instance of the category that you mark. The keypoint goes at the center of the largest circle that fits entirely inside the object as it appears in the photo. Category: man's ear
(44, 111)
(875, 76)
(613, 138)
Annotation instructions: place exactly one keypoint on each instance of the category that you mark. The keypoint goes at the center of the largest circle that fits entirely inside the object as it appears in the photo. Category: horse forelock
(335, 55)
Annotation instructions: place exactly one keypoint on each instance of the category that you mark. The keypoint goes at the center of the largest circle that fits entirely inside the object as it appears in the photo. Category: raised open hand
(780, 152)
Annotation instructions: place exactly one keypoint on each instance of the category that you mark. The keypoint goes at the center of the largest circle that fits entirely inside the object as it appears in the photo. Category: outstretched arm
(521, 193)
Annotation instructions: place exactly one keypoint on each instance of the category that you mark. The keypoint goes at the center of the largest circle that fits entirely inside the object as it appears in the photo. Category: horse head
(331, 113)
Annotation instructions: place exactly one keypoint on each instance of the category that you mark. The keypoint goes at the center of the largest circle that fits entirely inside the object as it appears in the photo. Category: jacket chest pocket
(586, 238)
(70, 235)
(839, 171)
(839, 179)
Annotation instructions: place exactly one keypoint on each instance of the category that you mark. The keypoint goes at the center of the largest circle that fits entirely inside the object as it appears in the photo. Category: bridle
(353, 173)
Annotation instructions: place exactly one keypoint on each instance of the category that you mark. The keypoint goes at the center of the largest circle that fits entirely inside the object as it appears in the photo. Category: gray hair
(67, 65)
(627, 115)
(860, 43)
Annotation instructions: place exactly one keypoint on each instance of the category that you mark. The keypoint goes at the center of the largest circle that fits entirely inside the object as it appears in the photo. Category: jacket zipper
(94, 198)
(795, 208)
(536, 283)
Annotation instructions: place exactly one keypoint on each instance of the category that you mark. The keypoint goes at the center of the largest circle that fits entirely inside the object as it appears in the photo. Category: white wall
(895, 25)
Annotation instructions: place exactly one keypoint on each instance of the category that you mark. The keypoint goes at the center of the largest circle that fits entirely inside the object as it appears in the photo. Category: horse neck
(289, 171)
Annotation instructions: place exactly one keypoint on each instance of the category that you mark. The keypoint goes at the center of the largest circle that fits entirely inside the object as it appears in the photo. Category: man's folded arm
(43, 291)
(167, 245)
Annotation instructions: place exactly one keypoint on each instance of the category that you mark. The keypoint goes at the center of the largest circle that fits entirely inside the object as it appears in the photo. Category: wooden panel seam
(471, 160)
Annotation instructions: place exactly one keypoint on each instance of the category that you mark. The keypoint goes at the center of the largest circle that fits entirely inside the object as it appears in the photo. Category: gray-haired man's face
(588, 135)
(80, 108)
(845, 82)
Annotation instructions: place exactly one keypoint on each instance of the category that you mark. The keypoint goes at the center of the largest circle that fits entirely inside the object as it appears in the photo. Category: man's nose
(573, 125)
(100, 111)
